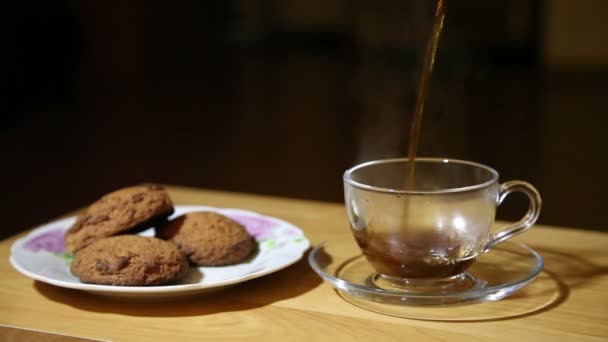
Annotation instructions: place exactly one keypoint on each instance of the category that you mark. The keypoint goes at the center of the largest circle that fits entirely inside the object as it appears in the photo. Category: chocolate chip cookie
(130, 209)
(208, 238)
(129, 260)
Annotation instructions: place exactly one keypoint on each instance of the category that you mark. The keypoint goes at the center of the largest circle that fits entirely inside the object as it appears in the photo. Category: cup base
(457, 283)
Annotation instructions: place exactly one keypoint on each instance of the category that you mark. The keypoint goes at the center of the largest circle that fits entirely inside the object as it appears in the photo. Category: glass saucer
(497, 274)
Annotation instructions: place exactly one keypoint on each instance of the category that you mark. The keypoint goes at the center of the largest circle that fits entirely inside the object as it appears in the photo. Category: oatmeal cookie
(208, 238)
(127, 210)
(130, 260)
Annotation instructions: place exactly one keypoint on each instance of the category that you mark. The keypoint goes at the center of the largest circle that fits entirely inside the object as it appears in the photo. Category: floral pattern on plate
(51, 241)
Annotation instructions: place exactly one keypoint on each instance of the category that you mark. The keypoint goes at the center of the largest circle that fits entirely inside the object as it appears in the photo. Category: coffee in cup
(425, 234)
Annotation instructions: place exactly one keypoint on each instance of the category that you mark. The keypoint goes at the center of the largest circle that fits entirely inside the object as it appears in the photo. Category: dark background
(280, 97)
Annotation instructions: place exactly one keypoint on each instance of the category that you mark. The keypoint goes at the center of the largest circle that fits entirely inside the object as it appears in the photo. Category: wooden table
(568, 301)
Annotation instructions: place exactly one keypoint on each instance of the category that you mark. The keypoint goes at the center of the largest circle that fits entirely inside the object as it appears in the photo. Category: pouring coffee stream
(380, 248)
(423, 86)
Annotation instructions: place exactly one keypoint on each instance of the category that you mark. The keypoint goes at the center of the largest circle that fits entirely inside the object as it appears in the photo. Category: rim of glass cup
(348, 176)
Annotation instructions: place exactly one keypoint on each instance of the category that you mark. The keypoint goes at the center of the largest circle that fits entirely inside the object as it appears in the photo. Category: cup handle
(527, 221)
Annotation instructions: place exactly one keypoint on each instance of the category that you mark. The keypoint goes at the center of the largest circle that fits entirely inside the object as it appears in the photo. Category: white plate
(41, 256)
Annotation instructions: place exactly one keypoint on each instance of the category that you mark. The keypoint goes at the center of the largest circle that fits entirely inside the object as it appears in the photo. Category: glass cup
(423, 233)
